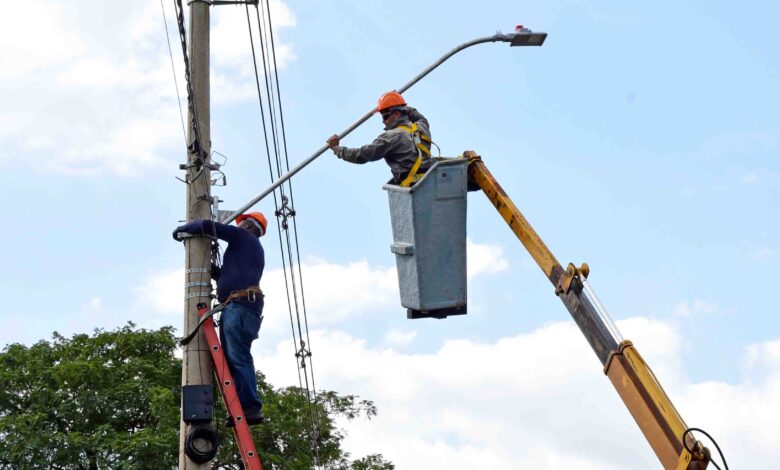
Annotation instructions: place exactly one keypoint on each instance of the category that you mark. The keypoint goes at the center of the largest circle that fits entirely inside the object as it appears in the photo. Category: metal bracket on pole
(197, 284)
(198, 295)
(197, 270)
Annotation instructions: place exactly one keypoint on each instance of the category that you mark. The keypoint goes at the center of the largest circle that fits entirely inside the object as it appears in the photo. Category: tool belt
(250, 293)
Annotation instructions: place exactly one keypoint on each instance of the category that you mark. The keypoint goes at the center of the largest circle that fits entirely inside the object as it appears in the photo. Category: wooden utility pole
(196, 360)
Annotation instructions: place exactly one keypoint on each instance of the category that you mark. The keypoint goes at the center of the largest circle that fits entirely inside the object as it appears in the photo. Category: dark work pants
(239, 326)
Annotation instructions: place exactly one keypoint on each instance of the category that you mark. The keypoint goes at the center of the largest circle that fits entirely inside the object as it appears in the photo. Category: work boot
(252, 415)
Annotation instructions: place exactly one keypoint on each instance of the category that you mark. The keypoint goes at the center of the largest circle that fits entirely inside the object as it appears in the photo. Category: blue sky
(642, 139)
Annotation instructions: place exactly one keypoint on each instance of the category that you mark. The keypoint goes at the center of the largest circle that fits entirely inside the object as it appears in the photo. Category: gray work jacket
(395, 145)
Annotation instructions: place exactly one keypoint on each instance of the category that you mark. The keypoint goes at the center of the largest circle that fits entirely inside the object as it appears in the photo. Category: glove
(176, 233)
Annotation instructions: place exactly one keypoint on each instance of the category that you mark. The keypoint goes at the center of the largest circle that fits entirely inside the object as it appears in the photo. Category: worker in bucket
(238, 288)
(405, 144)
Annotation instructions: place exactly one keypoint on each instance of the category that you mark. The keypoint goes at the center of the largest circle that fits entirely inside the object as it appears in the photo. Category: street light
(525, 37)
(521, 37)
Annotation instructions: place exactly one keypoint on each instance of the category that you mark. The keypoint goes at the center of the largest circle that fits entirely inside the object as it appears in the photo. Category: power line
(173, 67)
(283, 213)
(287, 162)
(292, 201)
(196, 146)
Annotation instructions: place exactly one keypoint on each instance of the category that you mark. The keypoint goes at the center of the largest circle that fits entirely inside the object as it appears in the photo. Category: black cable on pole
(195, 146)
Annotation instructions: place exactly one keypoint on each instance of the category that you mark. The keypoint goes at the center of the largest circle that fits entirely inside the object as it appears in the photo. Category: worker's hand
(179, 234)
(333, 141)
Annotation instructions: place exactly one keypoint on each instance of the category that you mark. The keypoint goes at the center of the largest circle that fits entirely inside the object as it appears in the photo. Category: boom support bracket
(572, 272)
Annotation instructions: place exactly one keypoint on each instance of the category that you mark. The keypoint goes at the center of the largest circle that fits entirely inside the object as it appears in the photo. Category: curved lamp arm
(521, 37)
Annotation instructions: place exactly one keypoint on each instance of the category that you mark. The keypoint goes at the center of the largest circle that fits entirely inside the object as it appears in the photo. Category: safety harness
(423, 151)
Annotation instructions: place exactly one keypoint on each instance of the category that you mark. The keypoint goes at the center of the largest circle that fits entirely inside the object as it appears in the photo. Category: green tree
(111, 401)
(289, 440)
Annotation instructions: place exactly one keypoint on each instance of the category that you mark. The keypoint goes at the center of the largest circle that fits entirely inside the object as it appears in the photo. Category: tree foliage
(290, 441)
(111, 401)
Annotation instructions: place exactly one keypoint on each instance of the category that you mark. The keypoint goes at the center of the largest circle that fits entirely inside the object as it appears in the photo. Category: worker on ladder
(238, 288)
(405, 144)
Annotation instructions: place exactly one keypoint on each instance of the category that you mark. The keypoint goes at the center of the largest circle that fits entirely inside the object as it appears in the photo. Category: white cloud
(95, 304)
(757, 251)
(105, 106)
(694, 308)
(484, 259)
(749, 178)
(535, 400)
(763, 356)
(233, 77)
(742, 142)
(163, 292)
(745, 414)
(334, 292)
(530, 400)
(763, 253)
(230, 36)
(89, 91)
(399, 337)
(33, 37)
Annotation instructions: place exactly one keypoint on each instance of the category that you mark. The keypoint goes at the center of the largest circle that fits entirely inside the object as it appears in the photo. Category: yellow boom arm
(636, 384)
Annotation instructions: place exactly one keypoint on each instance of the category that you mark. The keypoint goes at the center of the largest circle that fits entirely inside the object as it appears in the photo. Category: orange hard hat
(258, 216)
(390, 99)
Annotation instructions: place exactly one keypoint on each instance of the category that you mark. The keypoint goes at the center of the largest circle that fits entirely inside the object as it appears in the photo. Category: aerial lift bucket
(429, 240)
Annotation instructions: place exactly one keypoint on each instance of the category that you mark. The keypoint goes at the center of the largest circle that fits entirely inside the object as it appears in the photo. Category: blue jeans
(239, 326)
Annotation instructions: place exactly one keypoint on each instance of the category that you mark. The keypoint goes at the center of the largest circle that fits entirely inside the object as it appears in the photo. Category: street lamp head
(525, 37)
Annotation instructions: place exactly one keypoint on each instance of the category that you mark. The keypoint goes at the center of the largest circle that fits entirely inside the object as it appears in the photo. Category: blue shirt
(243, 261)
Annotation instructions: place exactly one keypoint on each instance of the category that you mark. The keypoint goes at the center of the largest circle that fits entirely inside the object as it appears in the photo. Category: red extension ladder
(246, 445)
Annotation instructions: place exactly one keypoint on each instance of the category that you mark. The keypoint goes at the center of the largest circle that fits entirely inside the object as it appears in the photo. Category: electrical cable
(173, 67)
(292, 200)
(295, 228)
(196, 145)
(282, 214)
(717, 447)
(271, 174)
(196, 149)
(272, 56)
